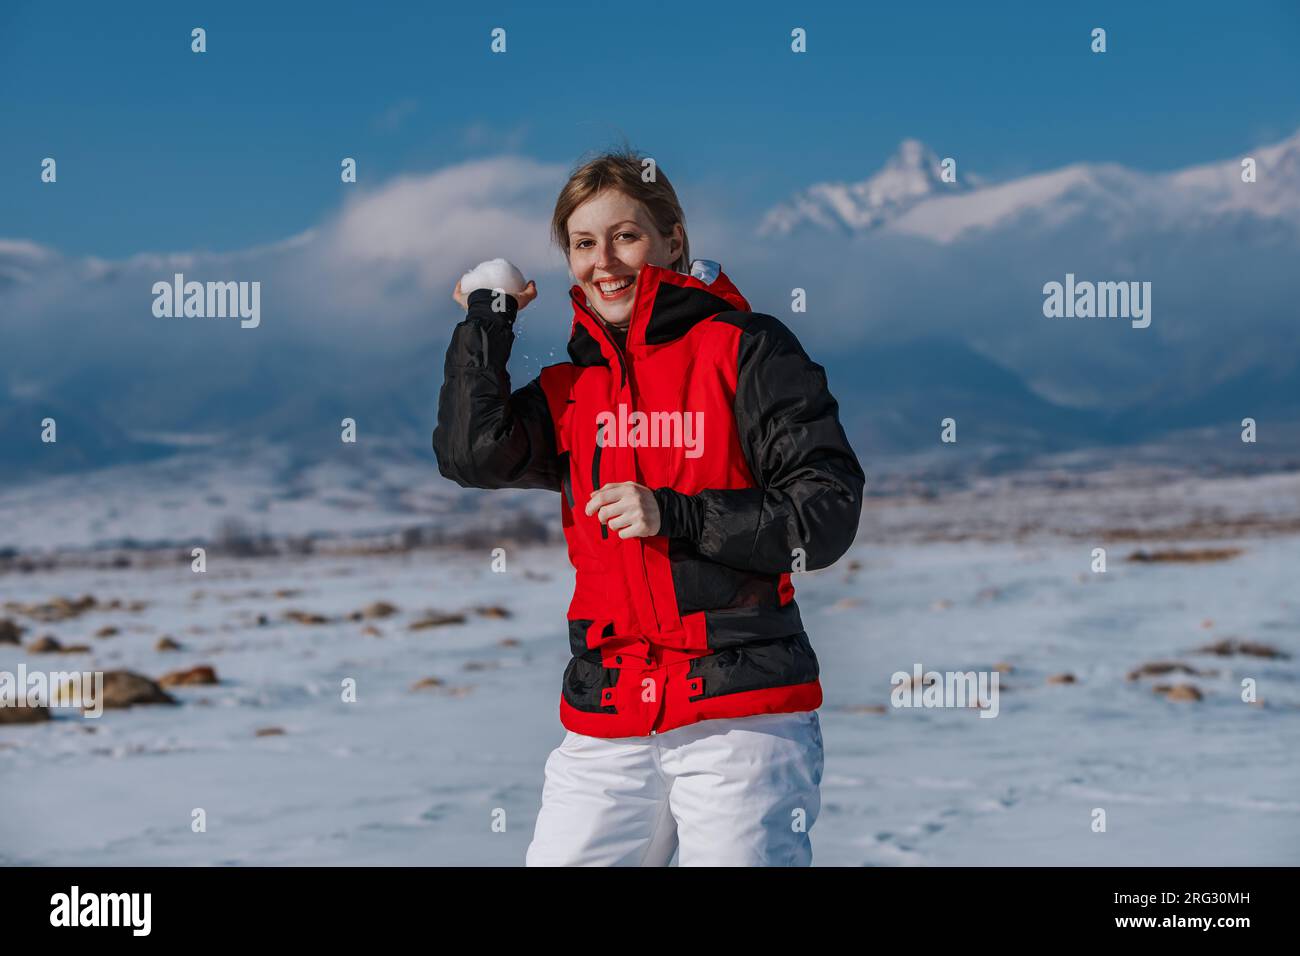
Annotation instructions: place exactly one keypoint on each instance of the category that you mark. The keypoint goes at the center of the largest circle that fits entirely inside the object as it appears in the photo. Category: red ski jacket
(721, 413)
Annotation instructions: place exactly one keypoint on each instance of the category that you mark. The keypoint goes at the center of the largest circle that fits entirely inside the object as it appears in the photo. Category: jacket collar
(667, 305)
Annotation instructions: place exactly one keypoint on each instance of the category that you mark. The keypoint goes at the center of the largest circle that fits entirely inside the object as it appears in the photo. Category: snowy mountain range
(909, 197)
(966, 264)
(925, 300)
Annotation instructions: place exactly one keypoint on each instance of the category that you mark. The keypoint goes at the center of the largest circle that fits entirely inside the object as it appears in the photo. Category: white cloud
(376, 275)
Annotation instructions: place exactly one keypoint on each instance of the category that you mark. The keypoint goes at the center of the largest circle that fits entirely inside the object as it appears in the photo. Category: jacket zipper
(595, 478)
(595, 465)
(566, 479)
(622, 368)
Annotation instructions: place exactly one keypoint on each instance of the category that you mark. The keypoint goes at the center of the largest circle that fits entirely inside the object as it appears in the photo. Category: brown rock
(166, 643)
(425, 683)
(1256, 649)
(10, 632)
(1002, 667)
(1153, 668)
(124, 688)
(508, 642)
(376, 610)
(269, 732)
(23, 715)
(492, 610)
(1178, 691)
(108, 631)
(1066, 678)
(57, 609)
(1229, 647)
(306, 617)
(46, 644)
(202, 674)
(1192, 555)
(436, 619)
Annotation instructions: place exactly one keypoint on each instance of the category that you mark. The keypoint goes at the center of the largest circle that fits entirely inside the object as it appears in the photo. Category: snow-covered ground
(407, 776)
(183, 499)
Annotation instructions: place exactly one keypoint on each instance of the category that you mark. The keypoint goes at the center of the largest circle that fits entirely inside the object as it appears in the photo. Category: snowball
(493, 274)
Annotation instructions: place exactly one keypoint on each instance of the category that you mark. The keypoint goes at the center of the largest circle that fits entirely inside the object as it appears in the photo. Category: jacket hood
(667, 305)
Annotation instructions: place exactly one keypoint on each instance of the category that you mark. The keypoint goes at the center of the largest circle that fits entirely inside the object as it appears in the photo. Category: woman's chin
(615, 313)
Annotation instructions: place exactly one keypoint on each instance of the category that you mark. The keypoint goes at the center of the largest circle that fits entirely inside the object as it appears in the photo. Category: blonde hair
(621, 169)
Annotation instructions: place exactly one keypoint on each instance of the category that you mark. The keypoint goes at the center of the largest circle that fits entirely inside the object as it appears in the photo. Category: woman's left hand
(626, 507)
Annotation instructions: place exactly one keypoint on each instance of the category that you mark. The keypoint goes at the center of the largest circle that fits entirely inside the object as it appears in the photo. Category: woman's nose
(605, 257)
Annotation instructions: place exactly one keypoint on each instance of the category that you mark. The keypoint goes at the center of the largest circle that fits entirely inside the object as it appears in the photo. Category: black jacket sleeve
(809, 492)
(487, 437)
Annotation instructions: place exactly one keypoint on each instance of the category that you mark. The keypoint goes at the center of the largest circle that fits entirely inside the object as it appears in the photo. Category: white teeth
(614, 285)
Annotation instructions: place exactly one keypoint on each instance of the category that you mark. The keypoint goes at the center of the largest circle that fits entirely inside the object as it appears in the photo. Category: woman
(700, 461)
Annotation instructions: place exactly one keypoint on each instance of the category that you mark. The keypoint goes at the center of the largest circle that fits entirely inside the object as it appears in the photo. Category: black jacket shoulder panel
(808, 497)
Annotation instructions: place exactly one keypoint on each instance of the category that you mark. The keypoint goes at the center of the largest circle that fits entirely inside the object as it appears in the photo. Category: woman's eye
(631, 235)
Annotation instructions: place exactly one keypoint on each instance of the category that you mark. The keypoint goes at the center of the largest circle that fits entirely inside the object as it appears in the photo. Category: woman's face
(610, 237)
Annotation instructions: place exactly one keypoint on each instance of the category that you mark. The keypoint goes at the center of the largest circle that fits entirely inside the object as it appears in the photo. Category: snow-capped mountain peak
(909, 197)
(911, 175)
(1219, 186)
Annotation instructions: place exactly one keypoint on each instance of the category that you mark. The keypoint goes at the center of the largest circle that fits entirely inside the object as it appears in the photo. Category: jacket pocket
(760, 665)
(589, 685)
(701, 584)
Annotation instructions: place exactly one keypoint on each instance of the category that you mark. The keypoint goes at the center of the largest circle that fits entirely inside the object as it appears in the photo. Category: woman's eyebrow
(623, 222)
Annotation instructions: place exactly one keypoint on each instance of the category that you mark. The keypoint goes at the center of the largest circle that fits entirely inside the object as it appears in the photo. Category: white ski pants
(742, 791)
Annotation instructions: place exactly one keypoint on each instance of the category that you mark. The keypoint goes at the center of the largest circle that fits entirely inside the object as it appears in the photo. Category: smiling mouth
(614, 288)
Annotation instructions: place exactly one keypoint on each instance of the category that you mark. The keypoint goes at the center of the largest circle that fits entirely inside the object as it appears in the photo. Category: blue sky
(161, 149)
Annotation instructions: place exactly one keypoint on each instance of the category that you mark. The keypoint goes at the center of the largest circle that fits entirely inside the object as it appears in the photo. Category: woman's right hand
(523, 298)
